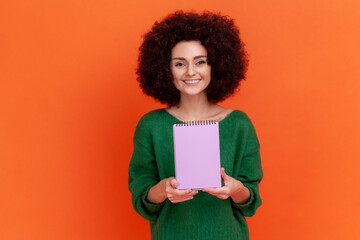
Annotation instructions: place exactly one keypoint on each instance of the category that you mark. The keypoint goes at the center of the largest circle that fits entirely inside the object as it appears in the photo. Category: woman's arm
(243, 185)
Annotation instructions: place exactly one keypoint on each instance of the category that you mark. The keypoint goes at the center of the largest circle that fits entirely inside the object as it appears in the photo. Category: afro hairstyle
(218, 34)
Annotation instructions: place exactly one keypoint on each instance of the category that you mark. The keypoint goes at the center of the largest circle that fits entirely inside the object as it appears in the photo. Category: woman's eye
(179, 64)
(201, 62)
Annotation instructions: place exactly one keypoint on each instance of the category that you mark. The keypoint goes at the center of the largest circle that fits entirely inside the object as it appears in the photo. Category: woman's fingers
(181, 195)
(223, 174)
(222, 192)
(173, 182)
(231, 187)
(180, 199)
(177, 195)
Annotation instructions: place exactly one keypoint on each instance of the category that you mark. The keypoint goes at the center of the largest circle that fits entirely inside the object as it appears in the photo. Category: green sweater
(205, 217)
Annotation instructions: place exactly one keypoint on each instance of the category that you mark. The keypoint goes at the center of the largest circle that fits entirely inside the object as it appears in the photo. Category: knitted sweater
(205, 217)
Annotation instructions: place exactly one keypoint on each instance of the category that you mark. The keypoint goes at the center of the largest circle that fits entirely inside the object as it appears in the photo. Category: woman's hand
(166, 188)
(232, 188)
(176, 195)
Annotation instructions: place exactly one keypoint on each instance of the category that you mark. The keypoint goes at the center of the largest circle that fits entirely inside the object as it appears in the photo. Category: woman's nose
(190, 70)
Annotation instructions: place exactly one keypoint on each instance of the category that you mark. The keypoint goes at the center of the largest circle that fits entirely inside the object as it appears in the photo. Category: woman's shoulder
(149, 121)
(153, 113)
(155, 117)
(238, 114)
(240, 122)
(237, 117)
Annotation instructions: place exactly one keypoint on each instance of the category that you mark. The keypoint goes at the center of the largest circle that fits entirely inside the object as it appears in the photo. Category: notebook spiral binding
(196, 123)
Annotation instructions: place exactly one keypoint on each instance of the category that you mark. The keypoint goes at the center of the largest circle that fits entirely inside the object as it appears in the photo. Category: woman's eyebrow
(181, 58)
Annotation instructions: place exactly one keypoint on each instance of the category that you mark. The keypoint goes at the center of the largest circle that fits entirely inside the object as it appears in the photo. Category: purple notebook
(197, 155)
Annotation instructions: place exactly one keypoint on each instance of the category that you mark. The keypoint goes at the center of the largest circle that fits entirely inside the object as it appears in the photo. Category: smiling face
(189, 67)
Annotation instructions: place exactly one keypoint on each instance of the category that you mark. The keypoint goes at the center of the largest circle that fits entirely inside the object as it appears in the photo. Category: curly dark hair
(218, 34)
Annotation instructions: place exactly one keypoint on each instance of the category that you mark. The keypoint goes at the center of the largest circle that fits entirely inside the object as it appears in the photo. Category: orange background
(69, 103)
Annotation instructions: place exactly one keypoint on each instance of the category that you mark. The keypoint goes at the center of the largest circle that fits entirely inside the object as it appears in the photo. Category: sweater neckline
(228, 116)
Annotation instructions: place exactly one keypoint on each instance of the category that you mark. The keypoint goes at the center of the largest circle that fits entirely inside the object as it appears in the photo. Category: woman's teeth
(192, 81)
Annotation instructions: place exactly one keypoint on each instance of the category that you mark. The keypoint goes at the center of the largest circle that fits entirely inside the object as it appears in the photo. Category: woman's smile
(191, 81)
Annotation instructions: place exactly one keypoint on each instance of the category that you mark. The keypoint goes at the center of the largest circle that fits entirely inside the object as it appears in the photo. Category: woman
(190, 62)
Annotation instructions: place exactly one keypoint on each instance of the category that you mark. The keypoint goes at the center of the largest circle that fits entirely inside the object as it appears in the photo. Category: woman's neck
(195, 108)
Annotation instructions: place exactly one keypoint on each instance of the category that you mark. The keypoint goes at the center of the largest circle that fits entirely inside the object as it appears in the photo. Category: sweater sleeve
(143, 173)
(250, 171)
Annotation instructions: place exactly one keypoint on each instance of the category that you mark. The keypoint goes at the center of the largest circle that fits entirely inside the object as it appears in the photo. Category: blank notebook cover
(197, 155)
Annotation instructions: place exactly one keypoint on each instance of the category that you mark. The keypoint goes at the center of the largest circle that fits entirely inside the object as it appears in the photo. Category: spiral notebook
(197, 155)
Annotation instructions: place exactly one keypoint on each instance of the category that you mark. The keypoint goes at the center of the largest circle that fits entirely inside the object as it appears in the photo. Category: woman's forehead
(188, 50)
